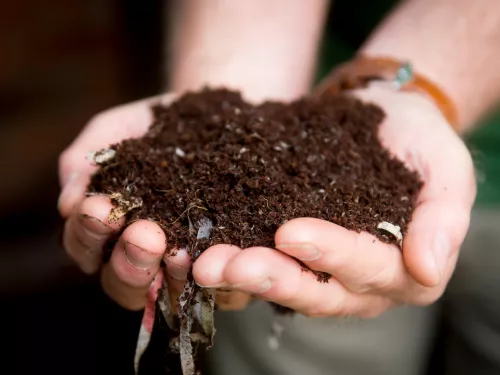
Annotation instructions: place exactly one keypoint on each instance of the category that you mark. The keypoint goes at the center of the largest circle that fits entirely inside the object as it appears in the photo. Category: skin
(369, 277)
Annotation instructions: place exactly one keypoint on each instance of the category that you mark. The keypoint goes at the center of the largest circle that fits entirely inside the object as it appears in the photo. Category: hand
(368, 276)
(136, 257)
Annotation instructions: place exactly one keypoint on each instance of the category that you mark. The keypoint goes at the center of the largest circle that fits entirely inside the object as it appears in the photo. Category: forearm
(265, 48)
(455, 43)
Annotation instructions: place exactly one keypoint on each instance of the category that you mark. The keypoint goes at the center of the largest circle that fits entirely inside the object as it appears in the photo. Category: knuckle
(315, 312)
(383, 280)
(333, 307)
(290, 294)
(374, 310)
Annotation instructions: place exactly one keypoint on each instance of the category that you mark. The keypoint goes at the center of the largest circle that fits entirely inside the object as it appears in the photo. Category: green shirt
(349, 23)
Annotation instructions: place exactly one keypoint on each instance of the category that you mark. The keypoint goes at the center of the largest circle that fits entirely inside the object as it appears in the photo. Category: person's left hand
(368, 276)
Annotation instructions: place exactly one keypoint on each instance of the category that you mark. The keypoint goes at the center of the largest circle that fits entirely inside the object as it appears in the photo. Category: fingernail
(177, 272)
(302, 251)
(255, 287)
(441, 252)
(94, 225)
(213, 286)
(139, 257)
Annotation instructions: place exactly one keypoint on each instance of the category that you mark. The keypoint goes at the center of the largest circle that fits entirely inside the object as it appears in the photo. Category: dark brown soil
(248, 169)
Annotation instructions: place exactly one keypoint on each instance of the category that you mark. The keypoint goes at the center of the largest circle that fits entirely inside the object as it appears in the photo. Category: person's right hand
(137, 255)
(135, 260)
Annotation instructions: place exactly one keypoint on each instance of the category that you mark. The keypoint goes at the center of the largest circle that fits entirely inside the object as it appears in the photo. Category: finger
(178, 263)
(232, 300)
(278, 278)
(208, 270)
(358, 261)
(435, 235)
(441, 219)
(77, 182)
(87, 230)
(134, 262)
(128, 121)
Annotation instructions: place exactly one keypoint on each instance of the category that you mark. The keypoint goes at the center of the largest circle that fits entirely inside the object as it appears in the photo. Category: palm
(415, 132)
(364, 284)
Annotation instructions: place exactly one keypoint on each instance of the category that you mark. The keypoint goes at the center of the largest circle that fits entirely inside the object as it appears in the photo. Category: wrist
(399, 75)
(256, 81)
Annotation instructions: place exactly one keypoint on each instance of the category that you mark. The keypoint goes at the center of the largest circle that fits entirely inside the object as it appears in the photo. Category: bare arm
(266, 48)
(456, 43)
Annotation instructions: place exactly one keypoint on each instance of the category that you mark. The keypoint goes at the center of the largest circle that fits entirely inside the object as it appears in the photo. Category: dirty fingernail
(301, 251)
(216, 286)
(177, 272)
(93, 224)
(139, 257)
(256, 287)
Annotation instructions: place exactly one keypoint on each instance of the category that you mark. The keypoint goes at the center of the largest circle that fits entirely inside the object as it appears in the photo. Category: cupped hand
(138, 252)
(368, 276)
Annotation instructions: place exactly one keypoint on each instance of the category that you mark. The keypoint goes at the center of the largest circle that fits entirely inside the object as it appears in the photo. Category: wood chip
(395, 230)
(122, 206)
(103, 156)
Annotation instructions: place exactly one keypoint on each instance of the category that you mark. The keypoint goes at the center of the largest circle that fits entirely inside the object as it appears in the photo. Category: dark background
(60, 63)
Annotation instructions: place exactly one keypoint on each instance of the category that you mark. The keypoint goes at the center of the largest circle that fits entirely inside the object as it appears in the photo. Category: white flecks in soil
(179, 152)
(103, 156)
(395, 230)
(205, 228)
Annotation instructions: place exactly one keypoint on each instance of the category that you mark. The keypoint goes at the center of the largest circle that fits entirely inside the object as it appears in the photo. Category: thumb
(441, 220)
(431, 248)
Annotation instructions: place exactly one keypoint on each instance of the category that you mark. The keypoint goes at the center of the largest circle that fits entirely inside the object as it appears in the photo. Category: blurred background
(61, 62)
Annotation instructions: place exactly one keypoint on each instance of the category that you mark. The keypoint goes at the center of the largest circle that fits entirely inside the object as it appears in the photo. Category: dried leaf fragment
(122, 206)
(204, 229)
(186, 320)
